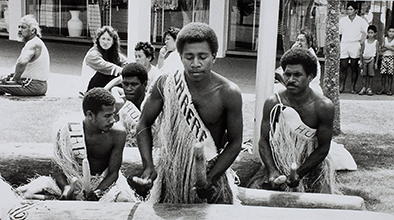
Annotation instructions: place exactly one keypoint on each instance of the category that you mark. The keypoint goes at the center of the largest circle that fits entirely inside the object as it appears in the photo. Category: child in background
(369, 60)
(387, 68)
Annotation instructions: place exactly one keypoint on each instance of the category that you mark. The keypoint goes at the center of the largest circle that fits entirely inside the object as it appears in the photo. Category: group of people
(185, 106)
(360, 48)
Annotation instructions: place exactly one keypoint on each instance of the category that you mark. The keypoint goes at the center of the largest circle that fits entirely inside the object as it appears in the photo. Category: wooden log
(144, 211)
(260, 197)
(200, 165)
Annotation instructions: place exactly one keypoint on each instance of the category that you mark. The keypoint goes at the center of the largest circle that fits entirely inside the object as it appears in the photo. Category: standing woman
(105, 57)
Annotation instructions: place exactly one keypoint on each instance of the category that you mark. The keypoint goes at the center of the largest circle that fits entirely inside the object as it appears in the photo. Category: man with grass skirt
(296, 132)
(191, 105)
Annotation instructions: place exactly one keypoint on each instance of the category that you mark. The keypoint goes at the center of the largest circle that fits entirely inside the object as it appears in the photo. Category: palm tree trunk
(331, 71)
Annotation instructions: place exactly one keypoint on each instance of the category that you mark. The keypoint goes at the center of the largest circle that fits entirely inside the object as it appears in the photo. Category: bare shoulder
(228, 89)
(34, 43)
(323, 102)
(324, 106)
(118, 132)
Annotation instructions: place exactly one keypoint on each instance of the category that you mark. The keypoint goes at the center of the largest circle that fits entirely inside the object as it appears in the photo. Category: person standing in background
(352, 31)
(369, 60)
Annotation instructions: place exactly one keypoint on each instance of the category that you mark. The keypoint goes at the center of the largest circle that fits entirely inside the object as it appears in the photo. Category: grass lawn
(367, 132)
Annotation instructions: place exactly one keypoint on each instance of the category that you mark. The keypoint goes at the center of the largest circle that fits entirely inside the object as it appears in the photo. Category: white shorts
(350, 49)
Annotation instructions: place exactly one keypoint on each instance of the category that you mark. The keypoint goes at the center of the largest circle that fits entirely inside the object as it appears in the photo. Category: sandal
(362, 92)
(380, 92)
(389, 93)
(369, 92)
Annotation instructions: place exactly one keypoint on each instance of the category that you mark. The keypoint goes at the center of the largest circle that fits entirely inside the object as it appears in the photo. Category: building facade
(236, 22)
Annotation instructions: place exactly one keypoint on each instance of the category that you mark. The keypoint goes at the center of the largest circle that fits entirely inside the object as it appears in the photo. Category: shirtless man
(208, 109)
(305, 142)
(32, 67)
(134, 82)
(102, 146)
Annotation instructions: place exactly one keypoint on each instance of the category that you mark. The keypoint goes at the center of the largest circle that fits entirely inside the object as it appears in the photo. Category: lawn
(367, 132)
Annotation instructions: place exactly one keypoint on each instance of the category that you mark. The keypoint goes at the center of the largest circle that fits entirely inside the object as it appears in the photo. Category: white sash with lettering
(129, 115)
(179, 129)
(71, 157)
(292, 141)
(190, 114)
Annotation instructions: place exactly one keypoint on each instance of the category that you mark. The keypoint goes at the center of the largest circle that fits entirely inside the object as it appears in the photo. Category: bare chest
(209, 107)
(307, 114)
(98, 146)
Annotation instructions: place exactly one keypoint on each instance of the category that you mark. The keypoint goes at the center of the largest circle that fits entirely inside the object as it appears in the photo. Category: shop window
(243, 24)
(54, 16)
(4, 16)
(176, 13)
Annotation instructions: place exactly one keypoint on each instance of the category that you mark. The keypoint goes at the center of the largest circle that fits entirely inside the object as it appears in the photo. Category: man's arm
(362, 55)
(28, 53)
(325, 113)
(264, 145)
(61, 180)
(115, 159)
(377, 55)
(232, 100)
(151, 110)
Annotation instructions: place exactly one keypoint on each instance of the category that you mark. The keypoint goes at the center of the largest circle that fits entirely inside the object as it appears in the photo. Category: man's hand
(91, 196)
(293, 180)
(67, 193)
(276, 180)
(149, 174)
(293, 183)
(206, 192)
(7, 78)
(163, 52)
(143, 184)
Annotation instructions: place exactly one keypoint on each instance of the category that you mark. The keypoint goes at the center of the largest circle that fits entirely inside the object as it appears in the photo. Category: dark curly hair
(147, 48)
(95, 99)
(172, 31)
(308, 37)
(300, 56)
(112, 54)
(135, 69)
(197, 32)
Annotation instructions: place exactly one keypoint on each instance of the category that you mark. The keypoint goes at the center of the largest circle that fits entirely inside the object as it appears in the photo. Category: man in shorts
(352, 30)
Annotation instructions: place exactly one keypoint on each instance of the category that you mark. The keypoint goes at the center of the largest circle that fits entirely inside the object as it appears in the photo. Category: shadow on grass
(370, 201)
(369, 150)
(19, 171)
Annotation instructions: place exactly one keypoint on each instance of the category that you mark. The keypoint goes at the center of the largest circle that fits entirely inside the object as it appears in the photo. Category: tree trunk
(331, 72)
(285, 23)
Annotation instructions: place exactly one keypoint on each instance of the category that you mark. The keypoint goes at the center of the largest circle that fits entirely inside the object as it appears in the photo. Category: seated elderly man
(32, 67)
(296, 131)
